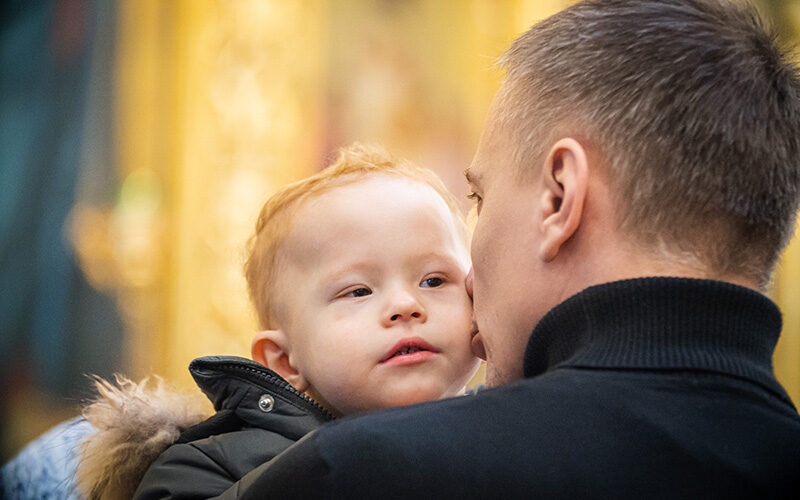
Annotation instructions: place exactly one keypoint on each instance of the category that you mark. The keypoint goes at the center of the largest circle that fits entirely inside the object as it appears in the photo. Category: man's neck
(628, 262)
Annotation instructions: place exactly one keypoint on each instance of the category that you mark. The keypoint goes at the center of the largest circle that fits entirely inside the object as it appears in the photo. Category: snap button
(266, 403)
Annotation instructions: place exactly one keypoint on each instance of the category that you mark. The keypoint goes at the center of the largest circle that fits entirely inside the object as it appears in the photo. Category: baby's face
(373, 296)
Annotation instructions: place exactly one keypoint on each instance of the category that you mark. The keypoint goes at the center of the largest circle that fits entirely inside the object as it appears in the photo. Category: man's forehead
(483, 165)
(494, 151)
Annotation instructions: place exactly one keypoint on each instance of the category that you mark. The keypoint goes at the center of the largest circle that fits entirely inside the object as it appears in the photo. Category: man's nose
(402, 306)
(468, 283)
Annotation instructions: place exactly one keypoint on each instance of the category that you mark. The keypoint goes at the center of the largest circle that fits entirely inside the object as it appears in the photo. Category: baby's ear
(271, 349)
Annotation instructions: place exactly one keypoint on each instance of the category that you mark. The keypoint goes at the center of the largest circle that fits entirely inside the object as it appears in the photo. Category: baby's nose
(404, 307)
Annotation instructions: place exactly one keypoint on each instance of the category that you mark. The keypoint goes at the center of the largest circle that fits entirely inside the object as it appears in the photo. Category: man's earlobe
(271, 349)
(566, 174)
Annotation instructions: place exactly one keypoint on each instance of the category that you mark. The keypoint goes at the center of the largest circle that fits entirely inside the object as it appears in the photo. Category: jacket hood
(134, 423)
(137, 422)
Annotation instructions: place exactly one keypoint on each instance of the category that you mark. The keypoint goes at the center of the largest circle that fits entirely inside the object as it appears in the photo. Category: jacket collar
(257, 395)
(661, 324)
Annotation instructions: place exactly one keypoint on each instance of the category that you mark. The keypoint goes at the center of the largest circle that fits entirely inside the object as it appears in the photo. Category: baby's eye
(431, 282)
(358, 292)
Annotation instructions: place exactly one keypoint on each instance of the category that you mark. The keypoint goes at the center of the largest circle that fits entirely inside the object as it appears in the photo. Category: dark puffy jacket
(258, 415)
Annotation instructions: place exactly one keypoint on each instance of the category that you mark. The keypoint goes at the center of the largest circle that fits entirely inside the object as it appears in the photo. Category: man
(636, 183)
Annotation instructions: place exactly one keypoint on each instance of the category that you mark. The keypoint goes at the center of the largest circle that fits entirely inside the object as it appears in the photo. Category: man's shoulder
(563, 386)
(572, 432)
(469, 423)
(549, 420)
(565, 400)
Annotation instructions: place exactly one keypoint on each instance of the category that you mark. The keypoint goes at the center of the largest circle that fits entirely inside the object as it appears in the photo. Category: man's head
(357, 274)
(631, 138)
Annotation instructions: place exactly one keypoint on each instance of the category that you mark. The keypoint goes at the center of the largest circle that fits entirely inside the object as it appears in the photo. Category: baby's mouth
(408, 347)
(407, 350)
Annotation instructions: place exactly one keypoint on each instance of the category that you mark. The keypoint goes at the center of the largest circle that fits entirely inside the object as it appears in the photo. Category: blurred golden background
(146, 134)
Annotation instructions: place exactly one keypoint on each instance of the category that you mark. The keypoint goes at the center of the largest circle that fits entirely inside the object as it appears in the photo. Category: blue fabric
(41, 119)
(46, 467)
(55, 134)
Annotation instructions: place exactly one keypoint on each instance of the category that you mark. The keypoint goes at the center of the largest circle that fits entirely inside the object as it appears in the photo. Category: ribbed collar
(661, 324)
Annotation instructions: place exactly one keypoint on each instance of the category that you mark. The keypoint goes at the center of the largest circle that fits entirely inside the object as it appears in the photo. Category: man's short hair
(695, 113)
(275, 220)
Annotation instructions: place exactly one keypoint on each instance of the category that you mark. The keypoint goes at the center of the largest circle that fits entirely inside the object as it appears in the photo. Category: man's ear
(566, 173)
(271, 349)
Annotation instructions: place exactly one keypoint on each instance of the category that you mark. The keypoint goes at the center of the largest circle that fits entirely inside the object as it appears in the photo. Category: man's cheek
(479, 250)
(474, 246)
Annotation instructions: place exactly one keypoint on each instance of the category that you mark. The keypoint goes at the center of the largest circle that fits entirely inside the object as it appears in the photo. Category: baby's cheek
(465, 317)
(350, 394)
(466, 301)
(467, 361)
(457, 303)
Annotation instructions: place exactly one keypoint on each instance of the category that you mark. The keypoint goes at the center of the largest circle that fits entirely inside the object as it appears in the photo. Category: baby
(357, 274)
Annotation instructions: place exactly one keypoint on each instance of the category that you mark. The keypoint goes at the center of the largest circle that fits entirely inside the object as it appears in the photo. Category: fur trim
(134, 424)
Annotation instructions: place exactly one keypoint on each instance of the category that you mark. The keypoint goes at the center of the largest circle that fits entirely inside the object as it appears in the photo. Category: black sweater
(647, 388)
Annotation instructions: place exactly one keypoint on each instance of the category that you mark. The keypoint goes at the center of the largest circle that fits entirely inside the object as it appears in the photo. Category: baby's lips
(417, 342)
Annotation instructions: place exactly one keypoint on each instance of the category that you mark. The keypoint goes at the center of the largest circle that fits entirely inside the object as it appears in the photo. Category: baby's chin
(414, 395)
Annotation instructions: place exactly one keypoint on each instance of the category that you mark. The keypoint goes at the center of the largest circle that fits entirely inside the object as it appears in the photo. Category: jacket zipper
(283, 385)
